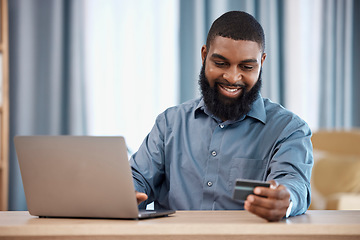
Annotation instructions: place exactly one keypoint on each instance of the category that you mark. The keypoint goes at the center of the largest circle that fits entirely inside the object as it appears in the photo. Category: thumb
(140, 197)
(273, 184)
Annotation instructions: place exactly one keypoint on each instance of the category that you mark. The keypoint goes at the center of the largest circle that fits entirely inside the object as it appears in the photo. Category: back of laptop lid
(73, 176)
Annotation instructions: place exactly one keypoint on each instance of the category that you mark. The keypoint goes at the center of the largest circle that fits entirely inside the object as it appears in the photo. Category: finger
(268, 203)
(280, 192)
(140, 197)
(266, 213)
(262, 190)
(273, 184)
(272, 209)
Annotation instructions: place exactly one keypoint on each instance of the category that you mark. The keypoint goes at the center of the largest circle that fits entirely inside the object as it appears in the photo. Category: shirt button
(213, 153)
(209, 184)
(222, 125)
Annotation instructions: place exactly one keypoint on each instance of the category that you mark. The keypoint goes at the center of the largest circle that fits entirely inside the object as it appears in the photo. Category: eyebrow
(216, 55)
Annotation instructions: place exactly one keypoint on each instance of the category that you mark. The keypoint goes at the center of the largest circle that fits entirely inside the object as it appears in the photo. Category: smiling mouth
(230, 91)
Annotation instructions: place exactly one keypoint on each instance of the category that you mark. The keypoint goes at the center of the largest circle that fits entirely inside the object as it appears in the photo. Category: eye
(247, 67)
(220, 64)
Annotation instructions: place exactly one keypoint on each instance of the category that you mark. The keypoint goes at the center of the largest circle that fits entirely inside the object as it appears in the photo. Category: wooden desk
(185, 225)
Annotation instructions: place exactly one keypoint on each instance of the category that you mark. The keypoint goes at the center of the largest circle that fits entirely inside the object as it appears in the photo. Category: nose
(232, 75)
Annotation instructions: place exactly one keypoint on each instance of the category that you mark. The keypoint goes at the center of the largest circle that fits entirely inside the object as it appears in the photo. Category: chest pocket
(246, 168)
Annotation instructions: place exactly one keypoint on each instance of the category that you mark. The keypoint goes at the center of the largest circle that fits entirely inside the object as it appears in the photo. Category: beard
(227, 108)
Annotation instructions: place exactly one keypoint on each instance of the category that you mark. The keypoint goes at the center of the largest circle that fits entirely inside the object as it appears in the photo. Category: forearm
(147, 163)
(291, 166)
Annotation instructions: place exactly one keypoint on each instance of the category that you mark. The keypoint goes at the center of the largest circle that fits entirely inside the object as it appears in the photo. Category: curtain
(356, 63)
(340, 75)
(89, 67)
(46, 76)
(131, 65)
(321, 45)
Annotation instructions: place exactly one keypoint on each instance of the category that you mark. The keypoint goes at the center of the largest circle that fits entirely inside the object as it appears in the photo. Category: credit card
(244, 188)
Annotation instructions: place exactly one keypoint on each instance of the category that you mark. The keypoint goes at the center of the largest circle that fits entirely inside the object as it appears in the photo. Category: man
(195, 151)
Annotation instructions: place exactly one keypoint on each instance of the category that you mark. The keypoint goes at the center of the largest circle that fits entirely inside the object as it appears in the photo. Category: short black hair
(237, 25)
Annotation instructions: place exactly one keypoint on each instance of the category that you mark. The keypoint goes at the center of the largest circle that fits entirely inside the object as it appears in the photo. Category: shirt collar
(257, 110)
(201, 108)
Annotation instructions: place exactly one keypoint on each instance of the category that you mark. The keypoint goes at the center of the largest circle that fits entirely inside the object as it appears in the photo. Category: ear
(203, 53)
(263, 58)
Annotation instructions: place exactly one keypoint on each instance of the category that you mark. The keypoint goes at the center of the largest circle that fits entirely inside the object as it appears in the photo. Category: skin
(269, 203)
(140, 197)
(233, 64)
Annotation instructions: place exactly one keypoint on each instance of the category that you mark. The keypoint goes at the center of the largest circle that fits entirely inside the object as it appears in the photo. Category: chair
(335, 177)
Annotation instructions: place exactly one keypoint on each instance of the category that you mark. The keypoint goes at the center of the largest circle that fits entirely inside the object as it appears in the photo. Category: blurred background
(109, 67)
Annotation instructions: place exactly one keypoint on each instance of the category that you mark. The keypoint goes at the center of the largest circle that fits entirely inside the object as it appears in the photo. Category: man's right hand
(140, 197)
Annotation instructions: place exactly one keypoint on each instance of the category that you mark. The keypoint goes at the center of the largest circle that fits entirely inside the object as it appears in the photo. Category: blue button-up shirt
(191, 159)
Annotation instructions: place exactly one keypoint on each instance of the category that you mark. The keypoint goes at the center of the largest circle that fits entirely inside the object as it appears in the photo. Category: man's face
(231, 68)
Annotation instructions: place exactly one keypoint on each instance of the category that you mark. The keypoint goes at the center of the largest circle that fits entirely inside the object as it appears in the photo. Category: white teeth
(231, 89)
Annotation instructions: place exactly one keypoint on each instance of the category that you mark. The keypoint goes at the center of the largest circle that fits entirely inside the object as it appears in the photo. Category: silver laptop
(78, 176)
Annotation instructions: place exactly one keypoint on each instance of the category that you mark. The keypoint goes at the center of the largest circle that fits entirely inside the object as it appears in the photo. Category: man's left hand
(269, 203)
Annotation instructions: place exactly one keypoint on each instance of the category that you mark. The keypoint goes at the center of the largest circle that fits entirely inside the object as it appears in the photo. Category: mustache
(225, 83)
